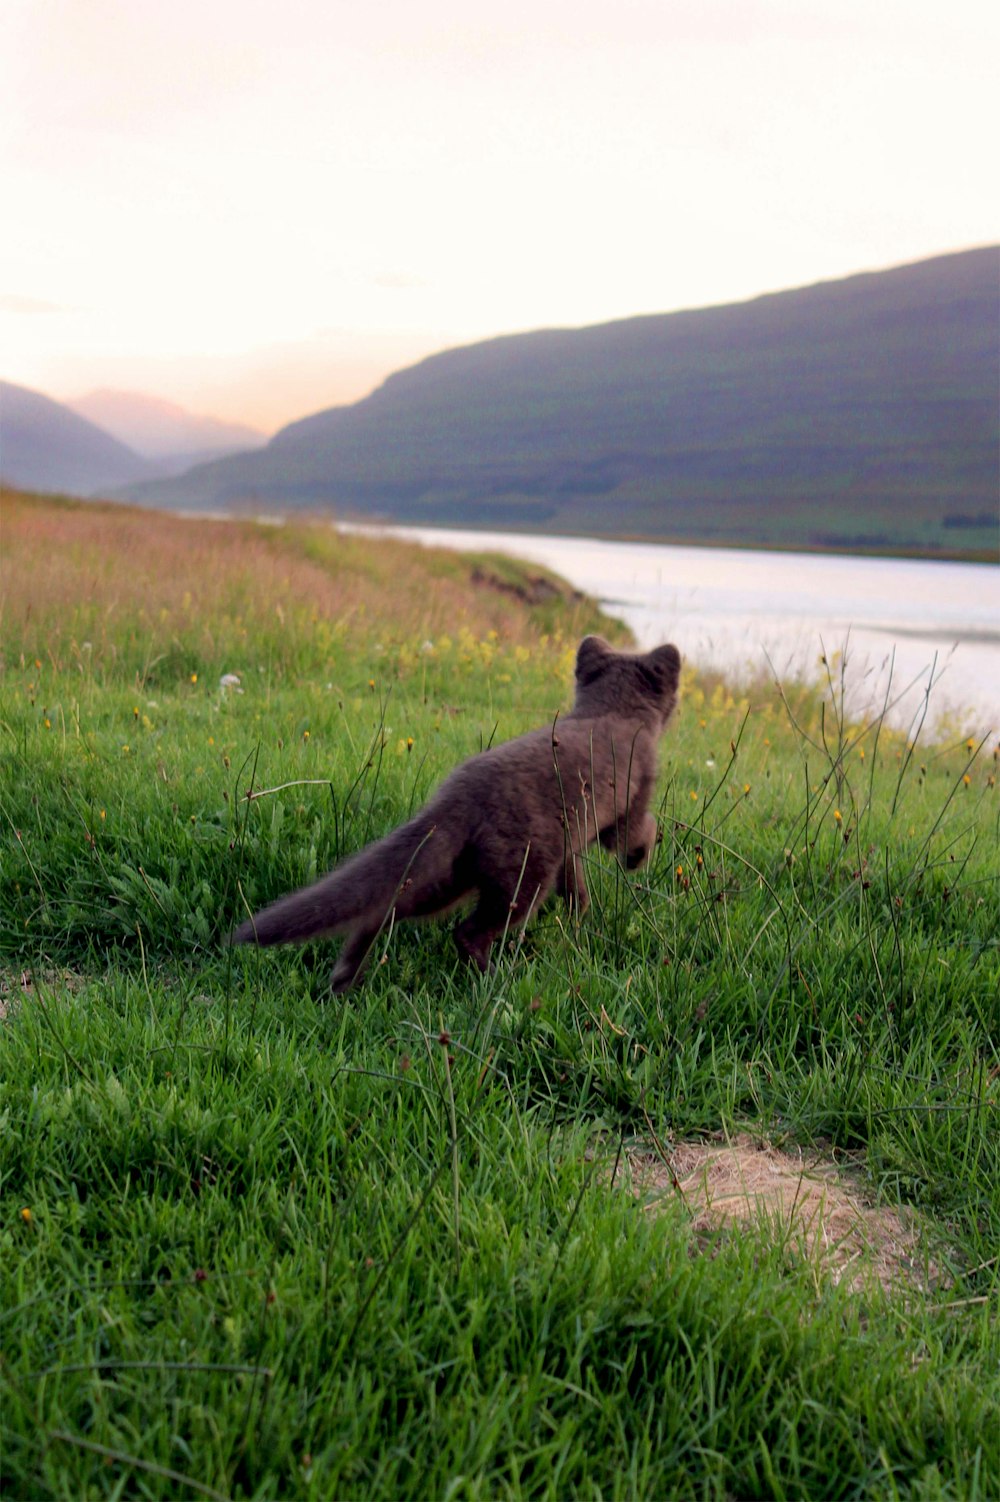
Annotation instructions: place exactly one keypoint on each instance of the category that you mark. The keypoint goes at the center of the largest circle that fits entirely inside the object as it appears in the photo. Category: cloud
(13, 302)
(398, 281)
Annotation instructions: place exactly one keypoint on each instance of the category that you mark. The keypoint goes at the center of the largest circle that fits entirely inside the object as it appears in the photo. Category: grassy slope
(282, 1247)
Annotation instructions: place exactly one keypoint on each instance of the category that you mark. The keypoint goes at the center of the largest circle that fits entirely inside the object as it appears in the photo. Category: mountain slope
(161, 430)
(853, 413)
(45, 446)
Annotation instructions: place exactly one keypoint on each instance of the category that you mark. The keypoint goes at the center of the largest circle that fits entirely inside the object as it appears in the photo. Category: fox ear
(664, 665)
(591, 655)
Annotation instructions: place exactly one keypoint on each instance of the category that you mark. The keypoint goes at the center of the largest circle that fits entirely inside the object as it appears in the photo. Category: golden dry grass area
(814, 1206)
(72, 569)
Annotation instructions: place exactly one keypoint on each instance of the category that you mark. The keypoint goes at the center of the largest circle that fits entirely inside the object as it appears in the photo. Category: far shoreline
(253, 510)
(671, 540)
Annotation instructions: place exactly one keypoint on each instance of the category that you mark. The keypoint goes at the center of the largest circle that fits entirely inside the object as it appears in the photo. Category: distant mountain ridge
(45, 446)
(67, 447)
(856, 413)
(161, 430)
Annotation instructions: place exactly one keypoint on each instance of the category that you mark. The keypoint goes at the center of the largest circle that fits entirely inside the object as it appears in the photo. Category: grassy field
(435, 1239)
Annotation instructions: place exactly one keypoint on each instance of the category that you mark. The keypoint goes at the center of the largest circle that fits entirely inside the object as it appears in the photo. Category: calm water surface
(903, 625)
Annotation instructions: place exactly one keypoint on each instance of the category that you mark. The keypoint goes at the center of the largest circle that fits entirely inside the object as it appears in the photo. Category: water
(903, 625)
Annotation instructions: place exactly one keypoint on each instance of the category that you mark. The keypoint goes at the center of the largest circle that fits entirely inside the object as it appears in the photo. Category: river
(903, 626)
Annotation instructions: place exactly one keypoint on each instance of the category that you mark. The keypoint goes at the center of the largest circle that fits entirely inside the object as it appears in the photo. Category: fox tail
(398, 872)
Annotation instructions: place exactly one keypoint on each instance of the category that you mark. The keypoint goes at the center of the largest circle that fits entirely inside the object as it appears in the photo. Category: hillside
(45, 446)
(858, 413)
(163, 432)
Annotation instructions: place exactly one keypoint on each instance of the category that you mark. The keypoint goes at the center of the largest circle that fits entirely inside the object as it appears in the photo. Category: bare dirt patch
(815, 1205)
(15, 985)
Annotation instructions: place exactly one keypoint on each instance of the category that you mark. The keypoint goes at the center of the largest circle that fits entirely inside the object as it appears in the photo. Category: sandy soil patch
(816, 1205)
(15, 985)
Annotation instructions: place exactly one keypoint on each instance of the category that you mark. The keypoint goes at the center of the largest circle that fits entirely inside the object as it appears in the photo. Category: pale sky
(259, 208)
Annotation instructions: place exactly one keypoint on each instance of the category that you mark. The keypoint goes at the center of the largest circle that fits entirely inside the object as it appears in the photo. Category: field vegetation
(440, 1237)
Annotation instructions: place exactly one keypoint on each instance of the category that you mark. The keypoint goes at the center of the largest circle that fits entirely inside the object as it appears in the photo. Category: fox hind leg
(499, 908)
(475, 934)
(353, 957)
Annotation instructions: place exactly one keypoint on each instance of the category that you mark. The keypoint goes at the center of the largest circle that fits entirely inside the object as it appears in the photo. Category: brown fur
(508, 827)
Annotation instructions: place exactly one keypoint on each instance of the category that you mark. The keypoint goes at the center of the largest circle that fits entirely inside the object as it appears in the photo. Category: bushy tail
(362, 890)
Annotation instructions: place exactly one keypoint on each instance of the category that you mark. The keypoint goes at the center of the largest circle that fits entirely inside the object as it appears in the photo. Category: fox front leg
(632, 838)
(571, 885)
(641, 842)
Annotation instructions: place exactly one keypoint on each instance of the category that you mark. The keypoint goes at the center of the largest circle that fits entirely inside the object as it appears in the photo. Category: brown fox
(508, 827)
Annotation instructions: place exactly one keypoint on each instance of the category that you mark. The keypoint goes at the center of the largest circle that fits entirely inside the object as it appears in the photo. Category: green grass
(255, 1243)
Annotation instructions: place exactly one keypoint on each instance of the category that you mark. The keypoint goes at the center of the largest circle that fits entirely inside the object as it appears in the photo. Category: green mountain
(45, 446)
(861, 413)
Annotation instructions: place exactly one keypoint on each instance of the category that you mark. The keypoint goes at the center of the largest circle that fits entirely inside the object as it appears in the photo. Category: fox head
(626, 683)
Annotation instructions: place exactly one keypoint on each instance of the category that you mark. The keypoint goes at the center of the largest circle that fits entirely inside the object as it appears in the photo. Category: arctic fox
(508, 827)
